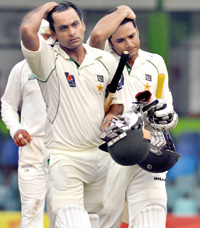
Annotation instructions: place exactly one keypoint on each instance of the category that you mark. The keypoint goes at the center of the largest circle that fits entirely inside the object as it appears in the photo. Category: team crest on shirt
(121, 83)
(32, 77)
(100, 88)
(147, 86)
(99, 78)
(70, 79)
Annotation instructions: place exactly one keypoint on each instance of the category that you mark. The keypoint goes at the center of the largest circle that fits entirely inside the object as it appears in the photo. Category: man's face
(126, 37)
(69, 29)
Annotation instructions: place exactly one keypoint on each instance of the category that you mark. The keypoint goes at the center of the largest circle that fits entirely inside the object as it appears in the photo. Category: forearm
(11, 118)
(11, 99)
(31, 23)
(115, 110)
(108, 24)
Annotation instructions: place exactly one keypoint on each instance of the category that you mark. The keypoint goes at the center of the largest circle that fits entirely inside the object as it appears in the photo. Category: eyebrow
(75, 21)
(132, 34)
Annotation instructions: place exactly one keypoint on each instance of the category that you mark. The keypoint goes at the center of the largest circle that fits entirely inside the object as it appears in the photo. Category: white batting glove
(167, 124)
(132, 118)
(110, 130)
(146, 103)
(157, 141)
(116, 126)
(155, 112)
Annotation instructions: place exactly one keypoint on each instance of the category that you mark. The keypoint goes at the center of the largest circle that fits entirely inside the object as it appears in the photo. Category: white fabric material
(77, 174)
(150, 217)
(44, 29)
(94, 220)
(22, 85)
(72, 216)
(53, 66)
(144, 73)
(139, 187)
(75, 99)
(32, 186)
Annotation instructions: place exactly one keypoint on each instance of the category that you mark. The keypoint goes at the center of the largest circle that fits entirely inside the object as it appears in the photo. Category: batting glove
(111, 129)
(155, 112)
(117, 126)
(165, 124)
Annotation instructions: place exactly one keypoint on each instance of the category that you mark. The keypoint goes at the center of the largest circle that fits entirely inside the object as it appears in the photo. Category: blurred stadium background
(167, 27)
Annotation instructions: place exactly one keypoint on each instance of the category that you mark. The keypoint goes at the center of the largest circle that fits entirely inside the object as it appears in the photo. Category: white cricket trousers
(32, 184)
(138, 187)
(78, 178)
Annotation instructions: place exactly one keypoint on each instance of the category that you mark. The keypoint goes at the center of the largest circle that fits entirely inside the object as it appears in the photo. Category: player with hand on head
(28, 135)
(73, 77)
(144, 191)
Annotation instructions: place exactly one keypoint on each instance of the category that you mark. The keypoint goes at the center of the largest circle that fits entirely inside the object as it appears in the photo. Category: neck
(131, 61)
(78, 54)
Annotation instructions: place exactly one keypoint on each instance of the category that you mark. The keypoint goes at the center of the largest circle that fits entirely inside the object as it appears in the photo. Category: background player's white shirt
(74, 95)
(23, 87)
(143, 76)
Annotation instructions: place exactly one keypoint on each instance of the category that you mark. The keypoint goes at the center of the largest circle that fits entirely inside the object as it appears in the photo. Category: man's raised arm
(107, 25)
(31, 23)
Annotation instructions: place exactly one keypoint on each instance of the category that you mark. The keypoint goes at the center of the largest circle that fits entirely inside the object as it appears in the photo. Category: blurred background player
(73, 78)
(145, 192)
(24, 113)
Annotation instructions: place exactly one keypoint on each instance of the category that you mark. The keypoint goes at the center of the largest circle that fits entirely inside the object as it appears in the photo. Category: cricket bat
(112, 87)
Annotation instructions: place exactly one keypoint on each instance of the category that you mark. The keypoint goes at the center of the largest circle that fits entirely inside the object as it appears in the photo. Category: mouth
(131, 50)
(74, 40)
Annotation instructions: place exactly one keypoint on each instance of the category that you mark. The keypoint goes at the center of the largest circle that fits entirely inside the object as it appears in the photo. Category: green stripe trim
(73, 60)
(128, 68)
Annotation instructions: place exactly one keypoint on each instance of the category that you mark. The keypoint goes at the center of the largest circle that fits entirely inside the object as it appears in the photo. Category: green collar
(128, 67)
(77, 65)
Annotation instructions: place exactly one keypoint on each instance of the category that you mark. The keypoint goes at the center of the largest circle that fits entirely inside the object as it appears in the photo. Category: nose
(128, 43)
(72, 31)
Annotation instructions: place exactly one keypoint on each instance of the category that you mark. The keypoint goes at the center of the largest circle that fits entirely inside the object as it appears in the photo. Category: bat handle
(108, 101)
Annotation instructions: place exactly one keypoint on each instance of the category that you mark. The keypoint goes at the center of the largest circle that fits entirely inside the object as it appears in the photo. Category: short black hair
(126, 20)
(62, 6)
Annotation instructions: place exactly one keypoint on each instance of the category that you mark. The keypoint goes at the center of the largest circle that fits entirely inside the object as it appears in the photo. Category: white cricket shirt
(143, 76)
(23, 86)
(23, 108)
(74, 95)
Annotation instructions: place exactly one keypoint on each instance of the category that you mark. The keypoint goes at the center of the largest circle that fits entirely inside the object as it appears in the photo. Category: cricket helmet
(163, 159)
(130, 149)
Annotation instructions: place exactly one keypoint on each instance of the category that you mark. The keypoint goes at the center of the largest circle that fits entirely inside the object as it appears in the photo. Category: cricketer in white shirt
(74, 97)
(23, 87)
(145, 192)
